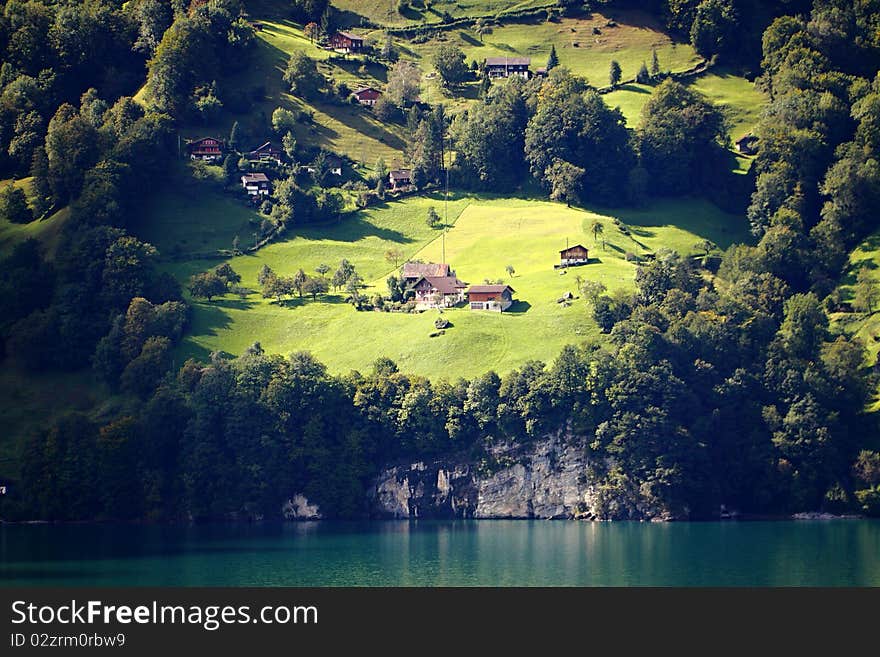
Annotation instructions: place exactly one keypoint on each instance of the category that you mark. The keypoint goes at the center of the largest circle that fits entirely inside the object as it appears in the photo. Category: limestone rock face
(543, 479)
(298, 508)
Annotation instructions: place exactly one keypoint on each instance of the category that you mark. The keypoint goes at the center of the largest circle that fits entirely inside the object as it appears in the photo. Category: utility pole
(445, 214)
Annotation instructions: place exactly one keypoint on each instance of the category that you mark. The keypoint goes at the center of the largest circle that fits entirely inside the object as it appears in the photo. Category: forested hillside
(706, 373)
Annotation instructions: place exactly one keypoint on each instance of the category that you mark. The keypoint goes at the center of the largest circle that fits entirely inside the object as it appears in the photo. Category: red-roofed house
(497, 298)
(368, 96)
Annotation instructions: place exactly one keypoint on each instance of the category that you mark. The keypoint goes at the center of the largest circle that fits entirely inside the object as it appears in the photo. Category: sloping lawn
(487, 235)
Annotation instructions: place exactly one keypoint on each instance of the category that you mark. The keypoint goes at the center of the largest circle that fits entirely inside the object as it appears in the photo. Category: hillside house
(367, 97)
(346, 42)
(574, 255)
(504, 67)
(206, 149)
(413, 271)
(265, 154)
(334, 165)
(256, 184)
(747, 144)
(496, 298)
(400, 178)
(438, 291)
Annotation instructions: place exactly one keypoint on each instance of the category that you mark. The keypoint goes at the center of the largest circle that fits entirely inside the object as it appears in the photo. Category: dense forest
(713, 387)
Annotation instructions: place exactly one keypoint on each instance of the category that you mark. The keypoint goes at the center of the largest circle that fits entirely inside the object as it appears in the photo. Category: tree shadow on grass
(518, 308)
(468, 39)
(642, 232)
(634, 89)
(297, 302)
(352, 229)
(232, 303)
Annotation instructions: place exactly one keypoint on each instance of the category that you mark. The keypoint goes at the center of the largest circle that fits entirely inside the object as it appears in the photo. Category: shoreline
(801, 516)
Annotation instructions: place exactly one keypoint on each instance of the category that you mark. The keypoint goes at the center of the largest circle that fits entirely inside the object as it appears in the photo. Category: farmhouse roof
(349, 35)
(254, 178)
(265, 148)
(365, 90)
(572, 247)
(489, 289)
(746, 138)
(508, 61)
(443, 284)
(400, 174)
(425, 269)
(195, 143)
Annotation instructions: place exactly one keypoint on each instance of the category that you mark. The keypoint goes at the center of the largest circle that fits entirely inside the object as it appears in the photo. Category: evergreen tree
(553, 59)
(235, 137)
(614, 73)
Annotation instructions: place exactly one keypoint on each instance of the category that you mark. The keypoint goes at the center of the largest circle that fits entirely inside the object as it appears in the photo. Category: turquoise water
(467, 553)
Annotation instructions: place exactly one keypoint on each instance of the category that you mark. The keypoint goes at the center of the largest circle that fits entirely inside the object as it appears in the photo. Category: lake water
(466, 553)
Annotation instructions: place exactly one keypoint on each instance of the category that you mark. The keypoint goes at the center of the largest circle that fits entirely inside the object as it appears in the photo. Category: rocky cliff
(543, 479)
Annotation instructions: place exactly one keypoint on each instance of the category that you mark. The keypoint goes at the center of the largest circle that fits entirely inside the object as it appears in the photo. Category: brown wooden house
(206, 148)
(574, 255)
(346, 42)
(497, 298)
(265, 153)
(504, 67)
(400, 178)
(438, 291)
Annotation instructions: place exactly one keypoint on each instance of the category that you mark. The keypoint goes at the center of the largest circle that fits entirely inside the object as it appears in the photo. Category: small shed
(747, 144)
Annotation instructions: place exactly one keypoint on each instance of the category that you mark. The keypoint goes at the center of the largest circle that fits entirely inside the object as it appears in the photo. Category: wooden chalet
(504, 67)
(334, 165)
(496, 298)
(256, 184)
(264, 154)
(400, 178)
(574, 255)
(346, 42)
(414, 271)
(207, 149)
(438, 291)
(747, 144)
(367, 96)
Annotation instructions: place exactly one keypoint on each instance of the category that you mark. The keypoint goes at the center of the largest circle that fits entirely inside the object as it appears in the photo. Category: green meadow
(484, 236)
(353, 131)
(45, 231)
(865, 326)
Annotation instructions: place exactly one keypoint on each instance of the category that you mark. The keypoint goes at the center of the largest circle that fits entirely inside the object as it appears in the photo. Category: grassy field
(865, 326)
(385, 12)
(352, 131)
(186, 216)
(46, 231)
(578, 49)
(486, 235)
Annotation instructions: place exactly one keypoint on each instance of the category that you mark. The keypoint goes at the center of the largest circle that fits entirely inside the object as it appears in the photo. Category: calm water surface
(467, 553)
